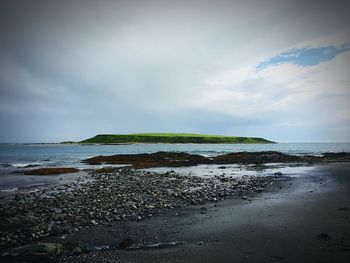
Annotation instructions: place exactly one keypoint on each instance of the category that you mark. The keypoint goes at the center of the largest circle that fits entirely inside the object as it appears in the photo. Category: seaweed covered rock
(256, 158)
(51, 171)
(158, 159)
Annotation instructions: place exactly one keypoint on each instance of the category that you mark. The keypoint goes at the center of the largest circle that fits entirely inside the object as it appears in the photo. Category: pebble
(125, 194)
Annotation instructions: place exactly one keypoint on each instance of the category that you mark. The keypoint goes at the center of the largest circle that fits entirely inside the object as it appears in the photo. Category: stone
(126, 243)
(278, 174)
(34, 252)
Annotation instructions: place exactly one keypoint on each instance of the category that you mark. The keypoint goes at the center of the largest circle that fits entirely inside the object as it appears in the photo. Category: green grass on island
(170, 138)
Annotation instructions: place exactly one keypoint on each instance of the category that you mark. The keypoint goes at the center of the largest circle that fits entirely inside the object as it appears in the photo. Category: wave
(8, 190)
(26, 165)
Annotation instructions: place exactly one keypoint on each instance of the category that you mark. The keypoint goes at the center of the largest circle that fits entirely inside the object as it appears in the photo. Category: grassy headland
(170, 138)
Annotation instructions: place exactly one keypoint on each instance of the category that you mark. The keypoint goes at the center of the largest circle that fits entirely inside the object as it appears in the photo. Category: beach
(307, 220)
(298, 216)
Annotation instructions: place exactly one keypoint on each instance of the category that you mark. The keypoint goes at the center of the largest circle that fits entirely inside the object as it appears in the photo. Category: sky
(275, 69)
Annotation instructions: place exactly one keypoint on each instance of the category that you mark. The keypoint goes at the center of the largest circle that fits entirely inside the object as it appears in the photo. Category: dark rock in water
(256, 158)
(324, 236)
(34, 253)
(51, 171)
(278, 174)
(174, 159)
(158, 159)
(328, 157)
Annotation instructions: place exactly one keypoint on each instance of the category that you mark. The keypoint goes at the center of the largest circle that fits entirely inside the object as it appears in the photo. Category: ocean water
(17, 157)
(22, 155)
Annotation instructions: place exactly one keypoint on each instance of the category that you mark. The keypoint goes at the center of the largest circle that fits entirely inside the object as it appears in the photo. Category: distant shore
(170, 138)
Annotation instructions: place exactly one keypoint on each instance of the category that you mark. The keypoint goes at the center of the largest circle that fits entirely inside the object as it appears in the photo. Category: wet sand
(302, 219)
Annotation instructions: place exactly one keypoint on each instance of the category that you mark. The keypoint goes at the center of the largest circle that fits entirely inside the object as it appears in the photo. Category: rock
(126, 243)
(256, 158)
(224, 179)
(101, 248)
(123, 194)
(144, 160)
(278, 174)
(40, 251)
(77, 251)
(259, 190)
(51, 171)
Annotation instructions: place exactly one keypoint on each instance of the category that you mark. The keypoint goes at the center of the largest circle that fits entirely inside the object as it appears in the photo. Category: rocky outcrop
(158, 159)
(256, 158)
(173, 159)
(51, 171)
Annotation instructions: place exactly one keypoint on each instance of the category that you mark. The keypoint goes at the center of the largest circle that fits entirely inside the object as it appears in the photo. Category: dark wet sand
(282, 225)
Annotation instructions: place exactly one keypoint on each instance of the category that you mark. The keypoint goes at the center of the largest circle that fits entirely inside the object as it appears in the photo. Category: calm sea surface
(21, 155)
(14, 157)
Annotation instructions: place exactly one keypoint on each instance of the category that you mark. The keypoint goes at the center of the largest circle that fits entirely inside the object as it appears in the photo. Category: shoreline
(307, 220)
(201, 215)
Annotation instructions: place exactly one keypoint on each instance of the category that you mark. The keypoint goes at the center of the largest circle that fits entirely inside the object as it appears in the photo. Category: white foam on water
(8, 190)
(23, 165)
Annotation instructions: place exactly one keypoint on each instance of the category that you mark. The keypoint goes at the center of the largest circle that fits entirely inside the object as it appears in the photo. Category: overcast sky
(273, 69)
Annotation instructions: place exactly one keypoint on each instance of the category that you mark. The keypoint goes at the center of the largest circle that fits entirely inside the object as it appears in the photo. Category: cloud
(305, 56)
(71, 70)
(293, 97)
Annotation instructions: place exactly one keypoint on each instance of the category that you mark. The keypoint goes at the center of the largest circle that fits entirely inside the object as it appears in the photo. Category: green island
(170, 138)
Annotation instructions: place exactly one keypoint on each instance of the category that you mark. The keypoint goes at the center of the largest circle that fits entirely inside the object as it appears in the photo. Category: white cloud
(281, 90)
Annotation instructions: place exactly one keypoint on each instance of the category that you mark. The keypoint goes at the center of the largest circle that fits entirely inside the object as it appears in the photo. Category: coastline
(285, 212)
(304, 221)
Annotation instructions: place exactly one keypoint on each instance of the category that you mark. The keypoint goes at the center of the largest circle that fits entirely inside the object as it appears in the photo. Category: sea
(16, 158)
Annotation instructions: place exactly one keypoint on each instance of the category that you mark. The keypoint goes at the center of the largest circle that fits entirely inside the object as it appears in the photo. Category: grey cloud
(70, 69)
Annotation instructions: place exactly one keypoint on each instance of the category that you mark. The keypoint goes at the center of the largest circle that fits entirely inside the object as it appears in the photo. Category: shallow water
(15, 157)
(21, 155)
